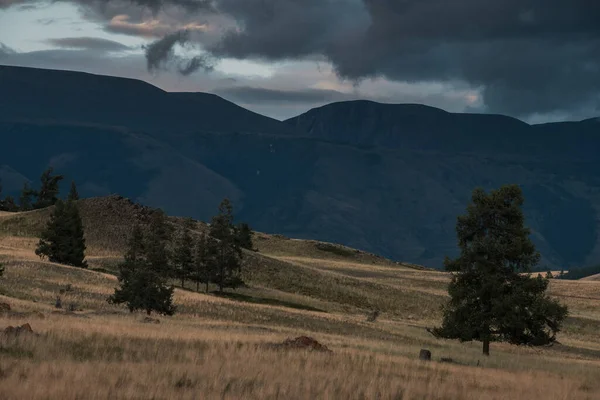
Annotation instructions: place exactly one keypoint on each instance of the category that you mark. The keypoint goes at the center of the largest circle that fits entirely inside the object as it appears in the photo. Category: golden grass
(217, 347)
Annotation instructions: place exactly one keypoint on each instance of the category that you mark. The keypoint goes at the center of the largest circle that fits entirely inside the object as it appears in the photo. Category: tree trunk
(486, 347)
(207, 286)
(198, 286)
(182, 283)
(148, 311)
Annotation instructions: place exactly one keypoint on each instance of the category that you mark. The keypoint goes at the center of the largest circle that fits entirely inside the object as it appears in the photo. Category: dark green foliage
(204, 262)
(48, 193)
(25, 203)
(73, 193)
(490, 299)
(579, 273)
(144, 274)
(9, 204)
(183, 257)
(244, 236)
(63, 239)
(226, 248)
(1, 270)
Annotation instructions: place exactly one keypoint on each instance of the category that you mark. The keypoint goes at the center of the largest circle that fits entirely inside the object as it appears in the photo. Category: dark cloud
(5, 50)
(160, 55)
(248, 94)
(525, 57)
(88, 43)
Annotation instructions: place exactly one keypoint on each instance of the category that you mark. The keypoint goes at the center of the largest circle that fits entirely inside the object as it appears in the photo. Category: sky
(537, 60)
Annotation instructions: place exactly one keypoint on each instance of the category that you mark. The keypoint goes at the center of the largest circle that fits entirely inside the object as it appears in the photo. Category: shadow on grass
(263, 300)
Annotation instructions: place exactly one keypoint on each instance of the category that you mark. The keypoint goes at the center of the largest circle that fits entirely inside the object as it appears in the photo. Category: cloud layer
(524, 57)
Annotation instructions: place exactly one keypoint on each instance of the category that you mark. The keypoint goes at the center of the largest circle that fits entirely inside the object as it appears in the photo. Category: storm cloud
(524, 57)
(160, 55)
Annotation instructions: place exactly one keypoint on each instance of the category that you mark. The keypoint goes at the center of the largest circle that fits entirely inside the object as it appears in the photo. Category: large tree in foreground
(492, 295)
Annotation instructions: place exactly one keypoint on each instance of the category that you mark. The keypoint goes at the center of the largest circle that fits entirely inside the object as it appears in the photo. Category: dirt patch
(24, 329)
(303, 343)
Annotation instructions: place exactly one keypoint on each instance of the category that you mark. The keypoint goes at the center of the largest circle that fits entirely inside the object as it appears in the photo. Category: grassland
(219, 347)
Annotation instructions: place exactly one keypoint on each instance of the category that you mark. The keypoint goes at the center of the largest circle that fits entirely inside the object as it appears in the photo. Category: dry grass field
(222, 347)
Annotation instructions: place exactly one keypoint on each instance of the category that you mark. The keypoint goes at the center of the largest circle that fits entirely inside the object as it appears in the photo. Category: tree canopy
(492, 294)
(63, 239)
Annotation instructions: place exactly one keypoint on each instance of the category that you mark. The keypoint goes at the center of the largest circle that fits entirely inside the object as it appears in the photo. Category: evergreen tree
(48, 193)
(73, 194)
(2, 206)
(183, 257)
(10, 204)
(490, 297)
(244, 236)
(63, 239)
(204, 263)
(144, 274)
(226, 248)
(25, 199)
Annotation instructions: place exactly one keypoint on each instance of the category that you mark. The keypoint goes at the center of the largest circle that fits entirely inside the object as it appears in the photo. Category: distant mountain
(389, 179)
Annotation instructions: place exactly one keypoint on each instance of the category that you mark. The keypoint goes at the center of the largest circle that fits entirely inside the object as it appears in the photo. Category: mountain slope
(389, 179)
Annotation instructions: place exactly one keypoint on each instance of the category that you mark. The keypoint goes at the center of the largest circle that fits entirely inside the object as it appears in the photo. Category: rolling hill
(230, 346)
(388, 179)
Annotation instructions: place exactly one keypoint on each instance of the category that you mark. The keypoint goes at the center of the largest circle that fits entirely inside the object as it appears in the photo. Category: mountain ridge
(392, 185)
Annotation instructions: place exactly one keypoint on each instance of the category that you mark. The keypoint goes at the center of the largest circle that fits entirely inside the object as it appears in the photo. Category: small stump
(425, 355)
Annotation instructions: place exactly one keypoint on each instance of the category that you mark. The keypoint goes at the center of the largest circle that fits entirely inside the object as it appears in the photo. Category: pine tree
(2, 206)
(25, 199)
(48, 193)
(10, 204)
(73, 194)
(144, 274)
(204, 263)
(63, 239)
(492, 294)
(183, 258)
(244, 236)
(226, 248)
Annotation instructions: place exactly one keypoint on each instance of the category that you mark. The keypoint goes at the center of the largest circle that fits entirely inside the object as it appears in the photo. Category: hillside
(225, 346)
(388, 179)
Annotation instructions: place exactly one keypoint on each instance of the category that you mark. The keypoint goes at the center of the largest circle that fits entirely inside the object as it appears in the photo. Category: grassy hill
(220, 346)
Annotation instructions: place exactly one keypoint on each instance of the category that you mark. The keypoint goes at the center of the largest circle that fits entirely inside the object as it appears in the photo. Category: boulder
(425, 355)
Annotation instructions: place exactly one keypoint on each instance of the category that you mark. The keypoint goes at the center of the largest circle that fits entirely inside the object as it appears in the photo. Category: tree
(492, 294)
(244, 236)
(73, 194)
(9, 204)
(1, 270)
(144, 273)
(226, 249)
(204, 262)
(25, 199)
(63, 239)
(183, 258)
(48, 193)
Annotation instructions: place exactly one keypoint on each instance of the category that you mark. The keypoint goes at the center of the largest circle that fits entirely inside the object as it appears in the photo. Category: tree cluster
(31, 199)
(493, 296)
(161, 255)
